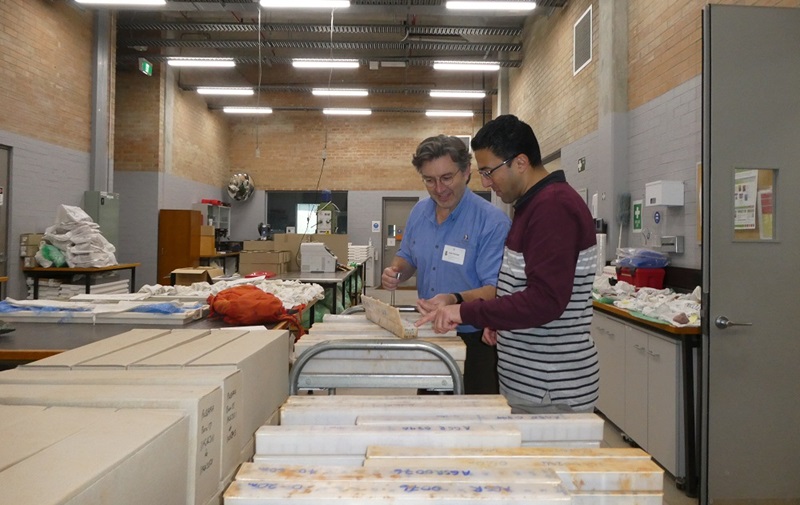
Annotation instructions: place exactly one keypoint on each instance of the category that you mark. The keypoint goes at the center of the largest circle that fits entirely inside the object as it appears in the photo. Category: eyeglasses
(445, 180)
(488, 172)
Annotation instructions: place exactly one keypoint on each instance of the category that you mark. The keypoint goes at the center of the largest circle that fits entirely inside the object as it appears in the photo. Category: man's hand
(390, 278)
(431, 304)
(444, 319)
(489, 336)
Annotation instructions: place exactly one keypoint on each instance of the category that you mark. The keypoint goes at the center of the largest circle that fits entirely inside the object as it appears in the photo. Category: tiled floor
(611, 437)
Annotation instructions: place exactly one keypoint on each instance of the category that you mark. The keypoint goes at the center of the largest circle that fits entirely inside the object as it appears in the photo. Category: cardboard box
(31, 238)
(207, 246)
(263, 261)
(207, 231)
(202, 404)
(258, 245)
(188, 276)
(263, 358)
(229, 379)
(134, 456)
(27, 251)
(74, 357)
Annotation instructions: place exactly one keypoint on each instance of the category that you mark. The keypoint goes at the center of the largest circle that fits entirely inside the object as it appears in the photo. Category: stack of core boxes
(432, 449)
(228, 383)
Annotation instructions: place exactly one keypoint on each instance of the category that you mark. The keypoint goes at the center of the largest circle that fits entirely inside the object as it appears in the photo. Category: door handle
(723, 323)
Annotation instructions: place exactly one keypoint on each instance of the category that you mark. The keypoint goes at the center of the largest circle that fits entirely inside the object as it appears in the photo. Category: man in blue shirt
(454, 242)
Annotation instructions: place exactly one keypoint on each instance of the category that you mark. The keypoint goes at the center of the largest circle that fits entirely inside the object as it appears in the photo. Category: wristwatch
(459, 298)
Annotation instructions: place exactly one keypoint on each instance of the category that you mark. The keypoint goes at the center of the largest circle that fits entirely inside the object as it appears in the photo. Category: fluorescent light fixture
(247, 110)
(437, 93)
(305, 4)
(225, 91)
(491, 6)
(448, 113)
(483, 66)
(347, 112)
(339, 92)
(122, 2)
(394, 64)
(201, 62)
(316, 63)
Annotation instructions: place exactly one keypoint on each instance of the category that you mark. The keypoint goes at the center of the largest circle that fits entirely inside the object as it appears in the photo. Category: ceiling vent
(582, 42)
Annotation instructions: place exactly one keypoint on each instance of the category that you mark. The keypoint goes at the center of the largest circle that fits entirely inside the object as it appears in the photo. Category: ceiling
(395, 41)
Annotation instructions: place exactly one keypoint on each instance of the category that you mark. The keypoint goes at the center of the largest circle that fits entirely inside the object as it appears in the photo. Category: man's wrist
(458, 297)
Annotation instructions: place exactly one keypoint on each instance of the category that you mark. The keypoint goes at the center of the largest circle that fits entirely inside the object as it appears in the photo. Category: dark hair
(433, 148)
(507, 136)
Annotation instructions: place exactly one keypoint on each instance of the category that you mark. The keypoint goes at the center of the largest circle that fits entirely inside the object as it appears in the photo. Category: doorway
(751, 123)
(5, 163)
(394, 217)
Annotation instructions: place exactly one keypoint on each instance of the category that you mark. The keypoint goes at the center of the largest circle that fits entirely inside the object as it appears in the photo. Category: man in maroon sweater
(541, 318)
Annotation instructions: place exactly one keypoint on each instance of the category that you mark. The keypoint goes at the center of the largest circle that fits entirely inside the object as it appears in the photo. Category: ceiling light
(122, 2)
(457, 94)
(493, 6)
(312, 63)
(247, 110)
(339, 92)
(201, 62)
(306, 4)
(225, 91)
(484, 66)
(448, 113)
(347, 112)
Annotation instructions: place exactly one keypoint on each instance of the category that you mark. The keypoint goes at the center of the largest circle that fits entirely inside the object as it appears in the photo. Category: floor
(611, 436)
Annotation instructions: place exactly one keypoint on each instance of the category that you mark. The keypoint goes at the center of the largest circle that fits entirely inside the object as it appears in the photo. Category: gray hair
(433, 148)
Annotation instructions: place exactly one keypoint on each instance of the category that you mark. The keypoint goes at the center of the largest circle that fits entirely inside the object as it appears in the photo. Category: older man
(454, 242)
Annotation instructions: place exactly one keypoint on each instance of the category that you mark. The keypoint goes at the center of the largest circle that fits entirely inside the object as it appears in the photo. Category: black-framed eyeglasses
(487, 173)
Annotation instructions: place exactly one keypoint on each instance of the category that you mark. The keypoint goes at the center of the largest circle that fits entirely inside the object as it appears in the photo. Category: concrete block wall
(45, 85)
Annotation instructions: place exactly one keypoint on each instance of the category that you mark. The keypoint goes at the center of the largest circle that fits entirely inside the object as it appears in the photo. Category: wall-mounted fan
(241, 187)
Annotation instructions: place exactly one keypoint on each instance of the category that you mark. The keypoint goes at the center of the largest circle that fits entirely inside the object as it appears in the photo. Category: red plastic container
(642, 277)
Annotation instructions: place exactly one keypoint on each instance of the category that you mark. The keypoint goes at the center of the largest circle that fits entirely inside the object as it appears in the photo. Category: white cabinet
(640, 378)
(609, 337)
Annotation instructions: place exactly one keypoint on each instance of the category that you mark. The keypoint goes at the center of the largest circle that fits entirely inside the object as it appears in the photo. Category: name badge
(454, 254)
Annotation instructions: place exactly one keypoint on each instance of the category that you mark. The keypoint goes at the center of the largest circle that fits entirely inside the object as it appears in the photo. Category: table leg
(88, 284)
(335, 290)
(35, 287)
(133, 279)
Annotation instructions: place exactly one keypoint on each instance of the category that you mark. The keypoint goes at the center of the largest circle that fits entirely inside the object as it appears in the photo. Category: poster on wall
(744, 199)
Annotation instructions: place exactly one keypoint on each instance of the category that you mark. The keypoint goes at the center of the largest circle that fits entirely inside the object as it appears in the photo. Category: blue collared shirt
(464, 252)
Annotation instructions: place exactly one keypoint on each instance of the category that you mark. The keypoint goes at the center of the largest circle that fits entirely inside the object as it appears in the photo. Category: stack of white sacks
(437, 448)
(147, 416)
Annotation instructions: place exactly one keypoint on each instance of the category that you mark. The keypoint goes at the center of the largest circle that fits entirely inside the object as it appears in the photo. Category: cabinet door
(609, 337)
(636, 389)
(664, 412)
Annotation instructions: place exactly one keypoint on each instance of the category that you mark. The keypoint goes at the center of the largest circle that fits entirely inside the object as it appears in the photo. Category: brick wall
(199, 140)
(561, 107)
(666, 44)
(139, 126)
(362, 152)
(46, 71)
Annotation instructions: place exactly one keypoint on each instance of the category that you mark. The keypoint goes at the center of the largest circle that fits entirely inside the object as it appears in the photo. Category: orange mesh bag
(247, 304)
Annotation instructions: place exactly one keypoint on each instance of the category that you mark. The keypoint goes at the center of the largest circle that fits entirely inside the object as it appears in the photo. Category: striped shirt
(543, 311)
